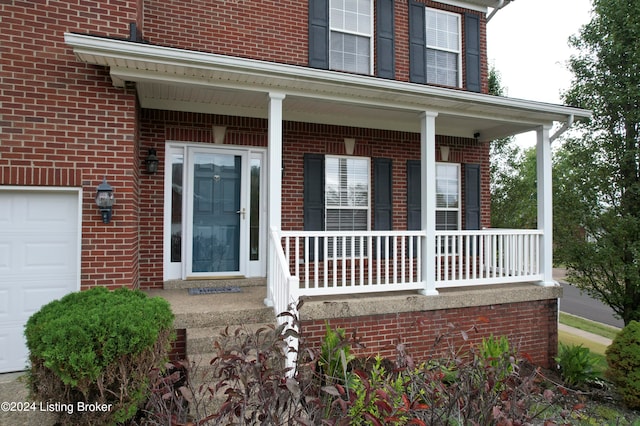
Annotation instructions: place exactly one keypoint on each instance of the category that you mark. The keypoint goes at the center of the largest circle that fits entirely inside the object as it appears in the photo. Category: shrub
(97, 347)
(623, 358)
(252, 383)
(496, 355)
(577, 365)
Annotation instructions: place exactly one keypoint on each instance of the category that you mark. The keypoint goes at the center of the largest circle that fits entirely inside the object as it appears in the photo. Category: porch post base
(429, 292)
(551, 283)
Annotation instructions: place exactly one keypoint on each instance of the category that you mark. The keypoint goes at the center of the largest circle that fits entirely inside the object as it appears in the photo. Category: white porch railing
(489, 256)
(334, 263)
(354, 262)
(283, 287)
(283, 293)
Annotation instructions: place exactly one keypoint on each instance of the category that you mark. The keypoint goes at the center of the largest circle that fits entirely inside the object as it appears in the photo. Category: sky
(527, 42)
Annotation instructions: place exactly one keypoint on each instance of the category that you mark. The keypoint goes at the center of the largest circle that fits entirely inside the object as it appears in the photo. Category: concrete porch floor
(248, 305)
(217, 310)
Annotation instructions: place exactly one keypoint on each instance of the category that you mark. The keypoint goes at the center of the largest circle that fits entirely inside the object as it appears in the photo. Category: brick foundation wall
(64, 124)
(178, 350)
(530, 326)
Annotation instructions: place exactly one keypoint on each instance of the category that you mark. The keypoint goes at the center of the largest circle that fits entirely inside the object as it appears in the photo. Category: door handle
(242, 212)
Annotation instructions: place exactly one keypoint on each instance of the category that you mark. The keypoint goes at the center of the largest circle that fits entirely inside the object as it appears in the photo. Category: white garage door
(39, 261)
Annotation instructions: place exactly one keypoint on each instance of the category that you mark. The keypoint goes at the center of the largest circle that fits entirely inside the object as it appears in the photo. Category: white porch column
(428, 199)
(274, 200)
(545, 204)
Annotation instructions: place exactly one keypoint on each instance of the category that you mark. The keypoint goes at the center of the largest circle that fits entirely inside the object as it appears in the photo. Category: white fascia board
(465, 5)
(128, 58)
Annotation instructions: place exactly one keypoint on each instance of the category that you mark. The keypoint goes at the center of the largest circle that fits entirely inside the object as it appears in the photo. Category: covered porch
(314, 263)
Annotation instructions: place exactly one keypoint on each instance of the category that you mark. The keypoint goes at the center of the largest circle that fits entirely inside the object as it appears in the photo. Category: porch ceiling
(175, 79)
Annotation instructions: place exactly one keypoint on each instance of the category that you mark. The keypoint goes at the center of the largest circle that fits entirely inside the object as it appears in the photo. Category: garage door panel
(13, 352)
(35, 298)
(51, 255)
(49, 209)
(34, 254)
(20, 303)
(5, 257)
(38, 211)
(5, 299)
(39, 261)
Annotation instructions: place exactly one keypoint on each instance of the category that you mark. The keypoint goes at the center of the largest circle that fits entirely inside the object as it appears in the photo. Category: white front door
(39, 260)
(212, 225)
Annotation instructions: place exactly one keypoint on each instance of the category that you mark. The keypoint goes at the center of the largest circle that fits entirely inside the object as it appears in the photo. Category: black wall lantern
(105, 200)
(152, 161)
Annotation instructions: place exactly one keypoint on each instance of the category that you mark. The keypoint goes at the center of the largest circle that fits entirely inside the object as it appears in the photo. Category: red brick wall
(530, 326)
(157, 127)
(272, 30)
(298, 139)
(63, 124)
(178, 349)
(302, 138)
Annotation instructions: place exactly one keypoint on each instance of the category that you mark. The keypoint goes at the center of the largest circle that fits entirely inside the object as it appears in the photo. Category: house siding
(275, 31)
(303, 138)
(272, 30)
(64, 124)
(298, 139)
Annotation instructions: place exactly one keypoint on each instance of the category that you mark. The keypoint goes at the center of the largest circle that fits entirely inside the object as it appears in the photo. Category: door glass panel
(176, 207)
(216, 222)
(254, 225)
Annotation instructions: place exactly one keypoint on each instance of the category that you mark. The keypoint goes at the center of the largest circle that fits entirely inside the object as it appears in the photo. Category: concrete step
(217, 310)
(217, 319)
(215, 283)
(200, 340)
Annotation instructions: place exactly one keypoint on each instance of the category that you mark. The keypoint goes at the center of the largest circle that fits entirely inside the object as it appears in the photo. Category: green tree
(513, 177)
(603, 255)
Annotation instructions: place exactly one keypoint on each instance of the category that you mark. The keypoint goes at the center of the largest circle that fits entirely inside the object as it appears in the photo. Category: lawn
(597, 349)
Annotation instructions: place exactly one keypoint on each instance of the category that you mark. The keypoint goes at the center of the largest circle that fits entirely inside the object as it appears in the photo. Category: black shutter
(472, 196)
(472, 51)
(383, 196)
(319, 34)
(417, 43)
(414, 199)
(313, 196)
(384, 39)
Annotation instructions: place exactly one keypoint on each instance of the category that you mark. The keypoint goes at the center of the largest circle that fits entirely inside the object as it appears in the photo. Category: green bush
(623, 358)
(577, 365)
(97, 347)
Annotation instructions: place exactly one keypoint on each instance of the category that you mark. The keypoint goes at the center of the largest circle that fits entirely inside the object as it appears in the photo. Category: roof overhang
(184, 80)
(481, 5)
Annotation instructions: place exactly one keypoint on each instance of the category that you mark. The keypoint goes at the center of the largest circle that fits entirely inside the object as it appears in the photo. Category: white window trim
(459, 51)
(459, 208)
(177, 270)
(370, 36)
(368, 207)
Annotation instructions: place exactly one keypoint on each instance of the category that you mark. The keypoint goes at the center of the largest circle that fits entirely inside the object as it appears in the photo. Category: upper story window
(443, 56)
(436, 47)
(350, 37)
(341, 36)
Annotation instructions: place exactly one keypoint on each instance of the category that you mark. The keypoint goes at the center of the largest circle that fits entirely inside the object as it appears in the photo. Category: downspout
(495, 10)
(562, 129)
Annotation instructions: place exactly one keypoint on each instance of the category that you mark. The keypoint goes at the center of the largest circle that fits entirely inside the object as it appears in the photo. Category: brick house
(337, 148)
